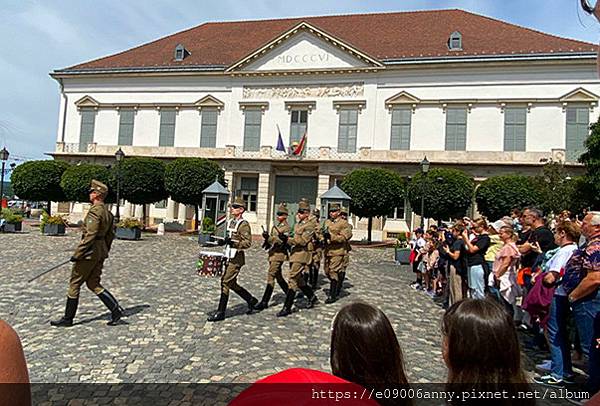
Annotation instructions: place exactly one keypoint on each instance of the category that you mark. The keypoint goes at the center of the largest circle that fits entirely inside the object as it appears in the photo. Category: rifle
(265, 245)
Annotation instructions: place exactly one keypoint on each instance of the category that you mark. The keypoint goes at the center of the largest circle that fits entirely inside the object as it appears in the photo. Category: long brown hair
(481, 347)
(364, 347)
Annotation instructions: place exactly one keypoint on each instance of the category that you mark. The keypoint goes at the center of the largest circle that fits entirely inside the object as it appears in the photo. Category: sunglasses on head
(302, 211)
(281, 214)
(236, 206)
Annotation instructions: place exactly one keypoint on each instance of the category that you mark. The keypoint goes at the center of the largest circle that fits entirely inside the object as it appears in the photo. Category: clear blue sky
(39, 36)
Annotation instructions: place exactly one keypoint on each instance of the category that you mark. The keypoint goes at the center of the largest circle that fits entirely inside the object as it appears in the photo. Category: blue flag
(280, 146)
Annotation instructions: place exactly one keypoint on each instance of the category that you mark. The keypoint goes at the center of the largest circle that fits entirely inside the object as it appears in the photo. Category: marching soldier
(317, 252)
(278, 254)
(238, 239)
(346, 262)
(306, 274)
(89, 256)
(299, 259)
(336, 235)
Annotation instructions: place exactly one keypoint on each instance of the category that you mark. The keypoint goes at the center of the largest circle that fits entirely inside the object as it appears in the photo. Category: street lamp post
(3, 157)
(424, 170)
(119, 155)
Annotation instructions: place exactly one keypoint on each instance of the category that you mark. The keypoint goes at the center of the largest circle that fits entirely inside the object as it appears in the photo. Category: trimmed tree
(39, 181)
(186, 178)
(557, 189)
(591, 159)
(498, 195)
(448, 193)
(374, 192)
(77, 179)
(142, 181)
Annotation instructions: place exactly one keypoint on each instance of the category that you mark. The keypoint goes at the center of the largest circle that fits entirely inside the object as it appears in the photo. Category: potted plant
(53, 225)
(401, 249)
(208, 229)
(12, 222)
(129, 229)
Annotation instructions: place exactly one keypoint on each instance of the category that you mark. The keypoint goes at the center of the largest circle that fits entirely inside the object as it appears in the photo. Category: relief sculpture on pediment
(309, 91)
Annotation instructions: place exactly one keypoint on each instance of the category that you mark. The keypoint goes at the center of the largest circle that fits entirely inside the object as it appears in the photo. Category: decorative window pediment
(579, 95)
(402, 99)
(209, 101)
(262, 105)
(300, 105)
(87, 101)
(358, 104)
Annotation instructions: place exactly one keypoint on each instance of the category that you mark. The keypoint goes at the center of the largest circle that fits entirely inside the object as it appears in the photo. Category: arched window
(455, 41)
(180, 52)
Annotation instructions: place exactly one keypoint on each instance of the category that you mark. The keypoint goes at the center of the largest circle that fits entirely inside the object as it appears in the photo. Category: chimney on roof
(455, 41)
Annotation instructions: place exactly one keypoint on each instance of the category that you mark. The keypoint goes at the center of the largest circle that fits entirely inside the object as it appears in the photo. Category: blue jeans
(476, 281)
(560, 350)
(585, 313)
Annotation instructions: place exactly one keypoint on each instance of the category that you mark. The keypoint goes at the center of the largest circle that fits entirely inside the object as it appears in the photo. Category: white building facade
(485, 113)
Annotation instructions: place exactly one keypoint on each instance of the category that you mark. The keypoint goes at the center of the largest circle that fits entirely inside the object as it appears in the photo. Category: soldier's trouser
(296, 280)
(229, 279)
(275, 273)
(346, 262)
(334, 266)
(88, 271)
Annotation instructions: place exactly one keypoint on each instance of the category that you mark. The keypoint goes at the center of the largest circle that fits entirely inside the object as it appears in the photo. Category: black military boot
(287, 305)
(264, 302)
(314, 279)
(220, 313)
(116, 311)
(342, 276)
(70, 310)
(251, 300)
(332, 292)
(283, 284)
(310, 295)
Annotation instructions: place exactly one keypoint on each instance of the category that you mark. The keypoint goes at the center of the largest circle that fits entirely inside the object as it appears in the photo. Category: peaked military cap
(98, 187)
(282, 209)
(238, 202)
(303, 206)
(334, 207)
(344, 210)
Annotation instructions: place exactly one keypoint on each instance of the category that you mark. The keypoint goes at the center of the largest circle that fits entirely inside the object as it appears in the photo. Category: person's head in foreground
(364, 347)
(481, 348)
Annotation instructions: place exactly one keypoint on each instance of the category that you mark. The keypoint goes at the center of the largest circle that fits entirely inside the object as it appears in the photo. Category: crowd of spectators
(544, 273)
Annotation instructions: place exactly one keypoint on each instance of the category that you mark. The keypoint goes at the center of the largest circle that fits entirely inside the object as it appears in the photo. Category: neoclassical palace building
(348, 91)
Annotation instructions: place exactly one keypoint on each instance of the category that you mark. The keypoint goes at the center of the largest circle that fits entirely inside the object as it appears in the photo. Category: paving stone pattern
(166, 337)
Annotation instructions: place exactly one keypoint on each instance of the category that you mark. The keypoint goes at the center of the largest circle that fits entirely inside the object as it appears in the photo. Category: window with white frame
(398, 212)
(456, 129)
(348, 128)
(401, 119)
(298, 125)
(515, 127)
(166, 136)
(253, 119)
(249, 191)
(126, 119)
(208, 129)
(86, 132)
(577, 131)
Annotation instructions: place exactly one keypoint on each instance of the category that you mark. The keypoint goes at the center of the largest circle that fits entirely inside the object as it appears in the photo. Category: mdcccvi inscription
(302, 58)
(304, 91)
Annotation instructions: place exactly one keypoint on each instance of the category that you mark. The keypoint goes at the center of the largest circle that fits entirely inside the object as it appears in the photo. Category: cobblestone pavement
(166, 337)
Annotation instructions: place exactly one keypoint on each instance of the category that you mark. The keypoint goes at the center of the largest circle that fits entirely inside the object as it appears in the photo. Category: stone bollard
(161, 229)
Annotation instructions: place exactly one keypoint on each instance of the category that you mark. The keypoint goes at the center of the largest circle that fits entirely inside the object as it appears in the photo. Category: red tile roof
(401, 35)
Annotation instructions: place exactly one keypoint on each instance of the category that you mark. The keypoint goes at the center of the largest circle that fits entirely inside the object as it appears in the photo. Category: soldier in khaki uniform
(278, 254)
(300, 257)
(97, 238)
(238, 238)
(346, 262)
(317, 252)
(336, 235)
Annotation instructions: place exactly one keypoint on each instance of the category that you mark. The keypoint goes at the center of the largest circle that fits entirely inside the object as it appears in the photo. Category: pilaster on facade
(322, 187)
(262, 200)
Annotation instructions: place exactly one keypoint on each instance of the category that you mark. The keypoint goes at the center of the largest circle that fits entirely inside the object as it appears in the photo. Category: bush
(77, 179)
(448, 193)
(208, 225)
(130, 223)
(11, 217)
(186, 178)
(374, 192)
(48, 219)
(498, 195)
(39, 181)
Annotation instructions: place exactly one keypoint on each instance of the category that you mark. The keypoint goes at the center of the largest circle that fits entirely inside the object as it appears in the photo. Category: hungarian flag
(280, 146)
(300, 148)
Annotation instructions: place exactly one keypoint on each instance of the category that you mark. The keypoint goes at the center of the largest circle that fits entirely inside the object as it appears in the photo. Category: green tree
(374, 192)
(591, 159)
(448, 193)
(498, 195)
(556, 187)
(142, 181)
(186, 178)
(39, 181)
(77, 179)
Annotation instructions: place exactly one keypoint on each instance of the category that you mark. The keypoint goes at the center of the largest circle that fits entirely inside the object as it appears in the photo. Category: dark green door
(290, 189)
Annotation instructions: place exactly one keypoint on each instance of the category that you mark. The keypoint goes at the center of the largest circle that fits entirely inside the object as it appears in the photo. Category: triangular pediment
(209, 101)
(579, 95)
(402, 98)
(87, 101)
(305, 47)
